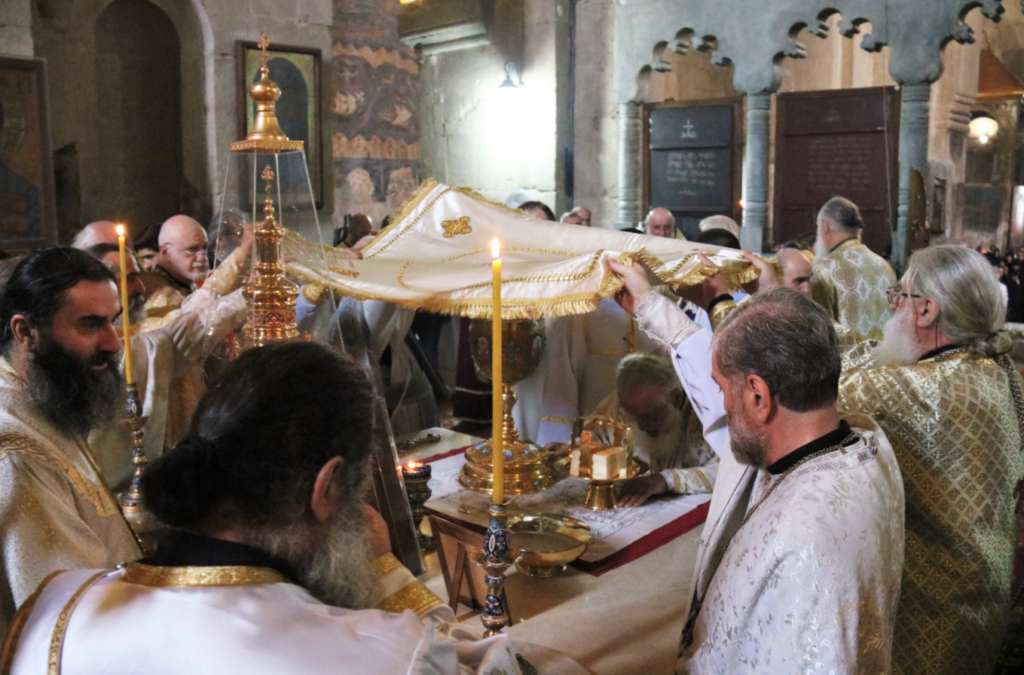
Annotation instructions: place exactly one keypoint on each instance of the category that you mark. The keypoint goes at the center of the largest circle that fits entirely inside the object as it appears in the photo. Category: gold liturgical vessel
(269, 296)
(525, 468)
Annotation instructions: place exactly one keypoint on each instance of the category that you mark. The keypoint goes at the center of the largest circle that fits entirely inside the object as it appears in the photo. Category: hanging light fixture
(983, 127)
(508, 84)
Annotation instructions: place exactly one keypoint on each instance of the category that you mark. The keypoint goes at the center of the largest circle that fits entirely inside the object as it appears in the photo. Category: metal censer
(525, 468)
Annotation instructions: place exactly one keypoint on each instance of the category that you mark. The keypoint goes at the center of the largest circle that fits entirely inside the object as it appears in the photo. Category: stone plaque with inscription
(691, 161)
(837, 143)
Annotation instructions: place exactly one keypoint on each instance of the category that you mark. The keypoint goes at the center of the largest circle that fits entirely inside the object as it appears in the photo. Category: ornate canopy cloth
(952, 421)
(436, 256)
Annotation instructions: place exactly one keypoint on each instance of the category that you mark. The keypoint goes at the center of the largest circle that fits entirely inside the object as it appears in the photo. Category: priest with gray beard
(275, 563)
(668, 434)
(59, 380)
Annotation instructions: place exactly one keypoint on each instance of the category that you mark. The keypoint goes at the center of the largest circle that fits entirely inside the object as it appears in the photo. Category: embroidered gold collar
(235, 575)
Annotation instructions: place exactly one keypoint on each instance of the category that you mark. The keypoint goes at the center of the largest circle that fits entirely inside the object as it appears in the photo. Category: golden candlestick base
(525, 468)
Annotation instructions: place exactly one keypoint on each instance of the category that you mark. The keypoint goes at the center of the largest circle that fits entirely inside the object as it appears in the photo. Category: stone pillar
(913, 156)
(629, 165)
(756, 171)
(374, 117)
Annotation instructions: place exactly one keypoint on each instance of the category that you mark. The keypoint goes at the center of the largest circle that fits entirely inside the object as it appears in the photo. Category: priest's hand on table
(639, 490)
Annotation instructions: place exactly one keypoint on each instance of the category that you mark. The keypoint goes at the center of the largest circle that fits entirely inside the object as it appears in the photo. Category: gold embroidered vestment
(956, 434)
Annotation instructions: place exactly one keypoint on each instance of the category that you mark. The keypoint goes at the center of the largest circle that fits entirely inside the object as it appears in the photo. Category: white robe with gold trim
(56, 512)
(251, 624)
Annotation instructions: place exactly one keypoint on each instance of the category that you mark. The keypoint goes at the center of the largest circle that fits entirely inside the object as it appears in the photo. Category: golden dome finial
(266, 133)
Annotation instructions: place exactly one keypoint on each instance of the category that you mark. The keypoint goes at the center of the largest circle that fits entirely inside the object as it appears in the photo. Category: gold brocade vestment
(953, 425)
(56, 512)
(850, 283)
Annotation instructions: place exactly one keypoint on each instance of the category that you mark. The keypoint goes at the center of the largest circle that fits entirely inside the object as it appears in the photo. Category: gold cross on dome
(263, 44)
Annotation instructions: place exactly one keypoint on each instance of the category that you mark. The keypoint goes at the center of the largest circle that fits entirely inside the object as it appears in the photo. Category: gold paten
(266, 134)
(525, 468)
(269, 296)
(543, 544)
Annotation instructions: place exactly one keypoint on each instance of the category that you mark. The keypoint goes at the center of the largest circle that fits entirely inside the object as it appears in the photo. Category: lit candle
(497, 410)
(129, 378)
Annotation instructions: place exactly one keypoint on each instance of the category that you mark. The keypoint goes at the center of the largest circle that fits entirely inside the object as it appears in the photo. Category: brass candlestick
(525, 468)
(143, 524)
(417, 488)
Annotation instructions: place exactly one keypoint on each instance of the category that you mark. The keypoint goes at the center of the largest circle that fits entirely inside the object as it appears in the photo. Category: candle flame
(413, 465)
(495, 248)
(120, 230)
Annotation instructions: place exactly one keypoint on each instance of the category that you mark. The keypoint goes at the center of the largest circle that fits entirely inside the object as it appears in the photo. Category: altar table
(626, 621)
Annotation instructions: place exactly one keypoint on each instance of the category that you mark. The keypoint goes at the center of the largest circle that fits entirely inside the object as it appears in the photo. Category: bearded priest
(59, 380)
(802, 552)
(271, 567)
(942, 385)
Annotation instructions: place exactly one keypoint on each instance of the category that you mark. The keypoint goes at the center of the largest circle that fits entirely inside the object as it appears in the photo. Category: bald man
(183, 251)
(796, 268)
(182, 265)
(99, 232)
(660, 223)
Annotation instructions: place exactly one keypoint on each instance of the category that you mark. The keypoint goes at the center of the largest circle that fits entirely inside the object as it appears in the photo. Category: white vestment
(808, 580)
(56, 512)
(162, 359)
(220, 620)
(577, 372)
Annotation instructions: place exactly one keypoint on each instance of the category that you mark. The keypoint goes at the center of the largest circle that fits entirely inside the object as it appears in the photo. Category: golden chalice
(525, 468)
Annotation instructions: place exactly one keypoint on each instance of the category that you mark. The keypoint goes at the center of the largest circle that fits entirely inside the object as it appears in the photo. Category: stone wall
(65, 33)
(16, 27)
(500, 142)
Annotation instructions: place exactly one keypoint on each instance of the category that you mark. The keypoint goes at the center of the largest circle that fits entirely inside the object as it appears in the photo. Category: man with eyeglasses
(943, 387)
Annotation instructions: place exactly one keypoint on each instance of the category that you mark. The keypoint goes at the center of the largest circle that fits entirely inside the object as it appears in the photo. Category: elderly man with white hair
(943, 387)
(849, 279)
(661, 223)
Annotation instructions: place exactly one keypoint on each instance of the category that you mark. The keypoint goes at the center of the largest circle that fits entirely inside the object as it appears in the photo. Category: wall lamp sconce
(508, 83)
(983, 127)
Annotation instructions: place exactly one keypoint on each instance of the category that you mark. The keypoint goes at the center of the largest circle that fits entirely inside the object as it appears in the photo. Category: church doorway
(138, 78)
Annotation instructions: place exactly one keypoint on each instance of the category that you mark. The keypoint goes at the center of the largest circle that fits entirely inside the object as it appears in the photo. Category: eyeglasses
(894, 294)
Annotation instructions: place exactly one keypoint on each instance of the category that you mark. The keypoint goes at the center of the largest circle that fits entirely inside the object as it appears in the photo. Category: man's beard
(749, 445)
(820, 248)
(339, 571)
(663, 450)
(198, 271)
(137, 309)
(67, 391)
(898, 346)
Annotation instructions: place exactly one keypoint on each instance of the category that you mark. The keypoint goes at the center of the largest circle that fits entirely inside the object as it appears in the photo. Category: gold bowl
(543, 545)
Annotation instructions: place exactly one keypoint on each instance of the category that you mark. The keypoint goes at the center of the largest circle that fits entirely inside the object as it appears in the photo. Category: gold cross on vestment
(263, 44)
